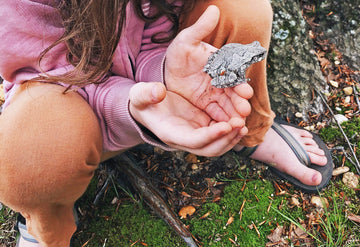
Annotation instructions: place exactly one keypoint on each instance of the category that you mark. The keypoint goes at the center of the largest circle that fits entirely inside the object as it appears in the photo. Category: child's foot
(277, 153)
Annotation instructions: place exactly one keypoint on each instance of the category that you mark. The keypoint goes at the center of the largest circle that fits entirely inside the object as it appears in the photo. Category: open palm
(181, 125)
(185, 59)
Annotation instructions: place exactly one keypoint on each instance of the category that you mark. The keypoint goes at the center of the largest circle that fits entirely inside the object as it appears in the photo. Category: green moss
(351, 128)
(121, 225)
(130, 223)
(213, 231)
(330, 134)
(339, 191)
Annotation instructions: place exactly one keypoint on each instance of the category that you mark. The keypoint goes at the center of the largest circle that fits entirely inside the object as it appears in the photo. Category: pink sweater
(29, 26)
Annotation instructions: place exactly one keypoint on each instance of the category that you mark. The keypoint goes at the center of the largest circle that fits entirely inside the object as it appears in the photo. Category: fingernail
(155, 91)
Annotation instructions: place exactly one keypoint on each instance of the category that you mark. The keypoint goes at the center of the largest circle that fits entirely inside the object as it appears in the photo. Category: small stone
(319, 202)
(347, 99)
(348, 90)
(194, 167)
(298, 115)
(294, 201)
(350, 180)
(340, 170)
(334, 83)
(115, 200)
(309, 128)
(340, 118)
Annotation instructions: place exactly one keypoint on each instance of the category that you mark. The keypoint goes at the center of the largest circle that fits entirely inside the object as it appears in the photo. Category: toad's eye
(222, 72)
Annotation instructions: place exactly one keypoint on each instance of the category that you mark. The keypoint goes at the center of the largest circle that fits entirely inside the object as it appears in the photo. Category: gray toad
(227, 66)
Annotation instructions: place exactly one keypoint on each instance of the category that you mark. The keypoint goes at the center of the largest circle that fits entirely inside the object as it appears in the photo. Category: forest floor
(232, 201)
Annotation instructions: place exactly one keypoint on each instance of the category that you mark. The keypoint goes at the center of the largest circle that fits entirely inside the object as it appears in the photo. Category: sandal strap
(246, 151)
(298, 150)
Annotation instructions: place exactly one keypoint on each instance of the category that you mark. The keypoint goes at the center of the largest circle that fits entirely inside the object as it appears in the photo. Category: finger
(243, 90)
(241, 104)
(239, 123)
(143, 94)
(219, 146)
(196, 138)
(227, 105)
(244, 131)
(216, 112)
(204, 25)
(236, 122)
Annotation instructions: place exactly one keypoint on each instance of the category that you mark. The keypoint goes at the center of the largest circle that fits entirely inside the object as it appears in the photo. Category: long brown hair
(92, 32)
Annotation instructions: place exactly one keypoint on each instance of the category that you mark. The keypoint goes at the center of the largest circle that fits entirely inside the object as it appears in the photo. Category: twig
(357, 164)
(356, 97)
(102, 191)
(345, 153)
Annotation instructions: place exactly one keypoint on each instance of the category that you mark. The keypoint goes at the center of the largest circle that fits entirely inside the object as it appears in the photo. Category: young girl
(86, 80)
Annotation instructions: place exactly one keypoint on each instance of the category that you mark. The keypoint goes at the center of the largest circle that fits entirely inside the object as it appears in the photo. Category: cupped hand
(185, 59)
(181, 125)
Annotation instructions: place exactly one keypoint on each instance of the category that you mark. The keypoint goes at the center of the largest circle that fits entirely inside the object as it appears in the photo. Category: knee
(51, 145)
(245, 20)
(241, 21)
(245, 12)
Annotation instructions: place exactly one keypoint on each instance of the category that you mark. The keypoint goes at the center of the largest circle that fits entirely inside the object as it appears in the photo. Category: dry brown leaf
(230, 220)
(191, 158)
(275, 236)
(205, 215)
(300, 232)
(185, 194)
(185, 211)
(354, 217)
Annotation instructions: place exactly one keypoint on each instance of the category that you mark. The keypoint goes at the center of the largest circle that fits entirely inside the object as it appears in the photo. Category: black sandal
(301, 154)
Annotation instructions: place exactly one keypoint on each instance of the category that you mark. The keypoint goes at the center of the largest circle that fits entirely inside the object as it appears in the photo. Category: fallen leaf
(185, 211)
(230, 220)
(205, 215)
(275, 236)
(191, 158)
(185, 194)
(300, 232)
(354, 217)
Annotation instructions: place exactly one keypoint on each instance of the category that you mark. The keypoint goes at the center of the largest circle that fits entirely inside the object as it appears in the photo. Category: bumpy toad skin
(227, 66)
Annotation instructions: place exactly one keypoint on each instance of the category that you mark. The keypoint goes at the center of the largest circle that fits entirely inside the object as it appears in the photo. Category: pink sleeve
(149, 63)
(27, 28)
(110, 101)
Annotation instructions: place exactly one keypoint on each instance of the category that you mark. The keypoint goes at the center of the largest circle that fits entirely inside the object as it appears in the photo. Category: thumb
(205, 24)
(143, 94)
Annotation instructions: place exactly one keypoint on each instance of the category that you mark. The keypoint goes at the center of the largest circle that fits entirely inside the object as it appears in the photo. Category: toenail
(315, 178)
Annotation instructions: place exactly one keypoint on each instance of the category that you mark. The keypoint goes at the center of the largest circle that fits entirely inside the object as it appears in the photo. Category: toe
(305, 175)
(316, 159)
(314, 150)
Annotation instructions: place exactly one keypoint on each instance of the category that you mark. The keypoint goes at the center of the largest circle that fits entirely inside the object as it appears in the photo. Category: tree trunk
(293, 70)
